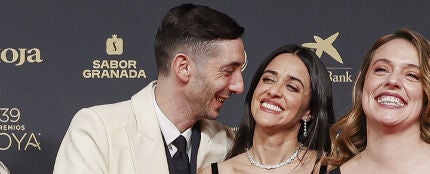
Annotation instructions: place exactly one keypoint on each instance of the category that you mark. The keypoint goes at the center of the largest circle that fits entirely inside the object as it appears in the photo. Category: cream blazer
(125, 138)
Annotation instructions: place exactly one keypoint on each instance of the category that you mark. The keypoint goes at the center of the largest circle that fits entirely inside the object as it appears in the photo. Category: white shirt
(169, 130)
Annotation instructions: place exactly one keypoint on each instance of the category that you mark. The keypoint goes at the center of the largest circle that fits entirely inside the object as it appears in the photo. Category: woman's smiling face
(393, 91)
(283, 93)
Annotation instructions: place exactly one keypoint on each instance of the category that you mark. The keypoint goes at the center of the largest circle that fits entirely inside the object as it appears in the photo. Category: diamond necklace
(274, 166)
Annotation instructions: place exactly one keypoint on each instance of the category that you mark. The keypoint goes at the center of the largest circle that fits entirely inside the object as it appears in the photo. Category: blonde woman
(388, 129)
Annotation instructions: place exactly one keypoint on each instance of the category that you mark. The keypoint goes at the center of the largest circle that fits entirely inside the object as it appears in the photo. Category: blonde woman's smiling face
(392, 91)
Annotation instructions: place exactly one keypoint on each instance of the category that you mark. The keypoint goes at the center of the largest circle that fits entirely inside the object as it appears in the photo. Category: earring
(305, 125)
(305, 130)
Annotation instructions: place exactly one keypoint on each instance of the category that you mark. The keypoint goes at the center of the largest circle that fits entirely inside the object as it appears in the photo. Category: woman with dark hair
(288, 111)
(388, 128)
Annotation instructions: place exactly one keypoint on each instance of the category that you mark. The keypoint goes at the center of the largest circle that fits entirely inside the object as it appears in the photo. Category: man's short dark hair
(192, 29)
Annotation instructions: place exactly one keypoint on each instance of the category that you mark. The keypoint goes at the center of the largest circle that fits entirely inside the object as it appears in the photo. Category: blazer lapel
(214, 143)
(145, 136)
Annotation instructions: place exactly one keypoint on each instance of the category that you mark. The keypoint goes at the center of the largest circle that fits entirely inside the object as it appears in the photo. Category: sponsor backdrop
(59, 56)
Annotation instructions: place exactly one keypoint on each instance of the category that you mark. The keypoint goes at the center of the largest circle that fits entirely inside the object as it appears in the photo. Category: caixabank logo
(19, 56)
(338, 73)
(114, 67)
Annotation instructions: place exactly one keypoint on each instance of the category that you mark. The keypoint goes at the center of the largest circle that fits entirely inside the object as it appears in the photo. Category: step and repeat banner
(59, 56)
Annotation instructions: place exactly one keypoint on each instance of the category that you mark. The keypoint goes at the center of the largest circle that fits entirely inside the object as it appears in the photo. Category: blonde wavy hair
(348, 135)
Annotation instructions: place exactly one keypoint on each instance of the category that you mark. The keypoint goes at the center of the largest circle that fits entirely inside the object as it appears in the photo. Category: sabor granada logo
(19, 56)
(337, 74)
(114, 68)
(114, 45)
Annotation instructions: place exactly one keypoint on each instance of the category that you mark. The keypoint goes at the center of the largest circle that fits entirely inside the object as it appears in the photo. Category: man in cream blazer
(200, 58)
(125, 138)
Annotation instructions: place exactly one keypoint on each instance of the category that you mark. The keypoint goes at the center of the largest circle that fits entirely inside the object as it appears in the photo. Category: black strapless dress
(214, 167)
(335, 171)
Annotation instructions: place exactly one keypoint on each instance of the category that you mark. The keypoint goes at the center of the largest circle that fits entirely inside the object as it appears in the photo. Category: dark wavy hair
(321, 104)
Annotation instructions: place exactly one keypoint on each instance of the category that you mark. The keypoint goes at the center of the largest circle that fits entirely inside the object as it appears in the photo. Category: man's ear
(181, 65)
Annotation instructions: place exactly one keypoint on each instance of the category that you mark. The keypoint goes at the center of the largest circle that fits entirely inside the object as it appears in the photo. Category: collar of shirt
(169, 130)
